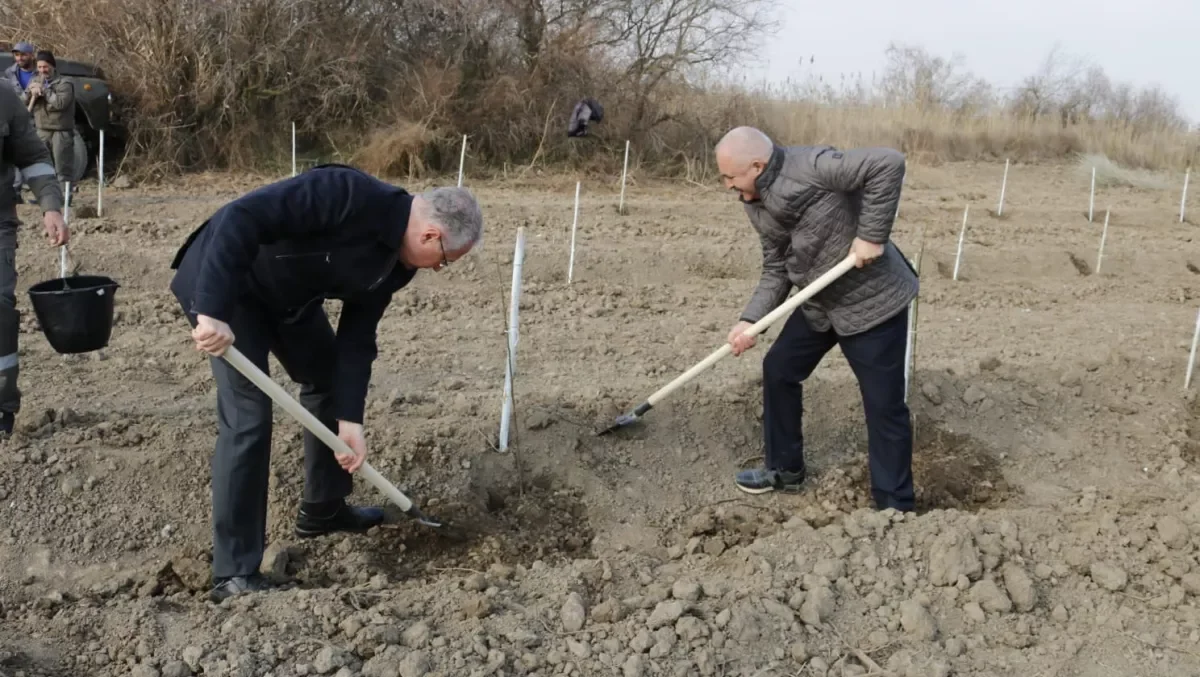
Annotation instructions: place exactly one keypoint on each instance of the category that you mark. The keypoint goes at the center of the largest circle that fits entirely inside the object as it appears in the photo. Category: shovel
(754, 330)
(291, 406)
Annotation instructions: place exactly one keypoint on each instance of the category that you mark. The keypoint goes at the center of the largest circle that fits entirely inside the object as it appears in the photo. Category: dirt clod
(1052, 462)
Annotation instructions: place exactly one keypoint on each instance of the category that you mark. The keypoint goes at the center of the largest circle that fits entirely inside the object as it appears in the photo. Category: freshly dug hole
(497, 524)
(950, 470)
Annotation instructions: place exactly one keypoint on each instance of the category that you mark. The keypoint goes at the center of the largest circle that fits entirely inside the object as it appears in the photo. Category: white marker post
(574, 225)
(1183, 200)
(462, 157)
(100, 166)
(293, 149)
(1187, 380)
(624, 172)
(961, 234)
(908, 346)
(62, 249)
(1103, 237)
(100, 175)
(514, 305)
(1092, 199)
(1003, 186)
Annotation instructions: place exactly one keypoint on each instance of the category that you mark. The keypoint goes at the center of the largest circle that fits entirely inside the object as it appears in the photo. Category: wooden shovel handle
(312, 423)
(758, 327)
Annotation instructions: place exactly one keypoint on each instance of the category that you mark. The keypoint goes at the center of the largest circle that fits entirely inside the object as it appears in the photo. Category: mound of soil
(1057, 521)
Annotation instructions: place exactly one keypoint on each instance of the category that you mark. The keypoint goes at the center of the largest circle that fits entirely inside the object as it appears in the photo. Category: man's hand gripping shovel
(754, 330)
(291, 406)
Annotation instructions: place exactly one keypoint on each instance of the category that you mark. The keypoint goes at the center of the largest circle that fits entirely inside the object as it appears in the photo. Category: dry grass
(1109, 173)
(393, 85)
(396, 150)
(933, 136)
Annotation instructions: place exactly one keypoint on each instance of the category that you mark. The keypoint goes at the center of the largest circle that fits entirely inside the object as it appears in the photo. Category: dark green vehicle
(93, 112)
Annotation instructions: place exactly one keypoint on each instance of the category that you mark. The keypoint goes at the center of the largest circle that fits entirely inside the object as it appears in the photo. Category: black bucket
(76, 313)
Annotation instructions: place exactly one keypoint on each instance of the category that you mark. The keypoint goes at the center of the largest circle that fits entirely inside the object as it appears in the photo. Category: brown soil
(1054, 459)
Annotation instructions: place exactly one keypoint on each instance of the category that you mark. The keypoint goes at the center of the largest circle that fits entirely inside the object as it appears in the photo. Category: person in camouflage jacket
(51, 99)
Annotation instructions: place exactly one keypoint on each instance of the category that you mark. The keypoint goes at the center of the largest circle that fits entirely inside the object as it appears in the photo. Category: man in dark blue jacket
(258, 270)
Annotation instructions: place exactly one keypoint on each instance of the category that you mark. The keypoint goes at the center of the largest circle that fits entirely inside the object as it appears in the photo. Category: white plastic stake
(514, 305)
(462, 157)
(1103, 237)
(1183, 200)
(100, 189)
(293, 149)
(1003, 186)
(62, 249)
(1092, 199)
(574, 225)
(624, 172)
(961, 234)
(1187, 381)
(100, 172)
(908, 351)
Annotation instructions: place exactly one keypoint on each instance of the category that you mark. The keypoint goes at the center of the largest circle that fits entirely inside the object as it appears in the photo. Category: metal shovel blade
(273, 390)
(625, 420)
(423, 519)
(715, 356)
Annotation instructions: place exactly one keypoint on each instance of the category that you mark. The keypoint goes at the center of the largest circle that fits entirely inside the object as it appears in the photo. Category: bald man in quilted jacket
(811, 206)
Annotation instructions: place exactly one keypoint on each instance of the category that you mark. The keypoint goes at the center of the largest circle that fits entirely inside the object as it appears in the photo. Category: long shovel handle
(755, 329)
(273, 390)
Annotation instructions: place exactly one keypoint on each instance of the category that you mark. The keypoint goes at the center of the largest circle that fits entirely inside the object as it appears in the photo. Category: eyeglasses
(445, 261)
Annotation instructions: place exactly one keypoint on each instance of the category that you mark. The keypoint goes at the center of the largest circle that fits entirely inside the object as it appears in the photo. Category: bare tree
(915, 76)
(1086, 98)
(652, 40)
(1045, 92)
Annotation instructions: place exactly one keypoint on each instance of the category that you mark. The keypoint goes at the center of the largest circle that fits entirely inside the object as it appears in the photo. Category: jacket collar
(769, 173)
(393, 235)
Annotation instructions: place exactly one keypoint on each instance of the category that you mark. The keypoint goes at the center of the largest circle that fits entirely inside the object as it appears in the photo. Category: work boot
(762, 480)
(318, 519)
(7, 421)
(224, 588)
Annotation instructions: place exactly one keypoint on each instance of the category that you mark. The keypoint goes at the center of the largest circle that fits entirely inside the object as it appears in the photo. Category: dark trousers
(242, 459)
(877, 358)
(10, 319)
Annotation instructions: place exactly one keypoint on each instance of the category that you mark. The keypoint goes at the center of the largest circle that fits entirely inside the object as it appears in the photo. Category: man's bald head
(745, 145)
(742, 154)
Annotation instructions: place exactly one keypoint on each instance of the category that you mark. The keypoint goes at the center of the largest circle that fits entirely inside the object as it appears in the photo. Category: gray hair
(455, 211)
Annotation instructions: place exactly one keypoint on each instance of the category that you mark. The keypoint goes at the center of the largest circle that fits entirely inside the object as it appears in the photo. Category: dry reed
(393, 85)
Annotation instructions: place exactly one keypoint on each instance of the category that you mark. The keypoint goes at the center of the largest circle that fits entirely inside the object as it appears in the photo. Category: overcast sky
(1142, 41)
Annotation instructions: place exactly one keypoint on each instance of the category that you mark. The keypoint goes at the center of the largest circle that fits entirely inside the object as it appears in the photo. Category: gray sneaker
(762, 480)
(238, 585)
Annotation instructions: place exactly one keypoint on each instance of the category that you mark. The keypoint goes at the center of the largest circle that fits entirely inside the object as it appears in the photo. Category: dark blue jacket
(333, 232)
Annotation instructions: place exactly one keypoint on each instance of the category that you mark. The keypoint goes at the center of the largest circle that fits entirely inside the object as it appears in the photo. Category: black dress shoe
(7, 420)
(321, 519)
(225, 588)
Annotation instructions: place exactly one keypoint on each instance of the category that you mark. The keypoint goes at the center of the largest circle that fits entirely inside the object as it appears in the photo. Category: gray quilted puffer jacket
(813, 201)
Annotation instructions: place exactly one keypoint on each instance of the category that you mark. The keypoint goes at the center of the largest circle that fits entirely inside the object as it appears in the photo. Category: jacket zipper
(386, 271)
(301, 256)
